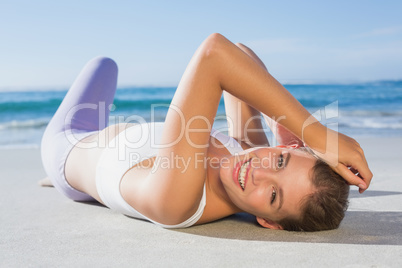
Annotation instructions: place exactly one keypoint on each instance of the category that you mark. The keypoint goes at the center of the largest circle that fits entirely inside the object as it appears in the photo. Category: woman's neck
(217, 189)
(219, 205)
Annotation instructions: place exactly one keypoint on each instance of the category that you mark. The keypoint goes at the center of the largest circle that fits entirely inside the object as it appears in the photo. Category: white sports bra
(129, 148)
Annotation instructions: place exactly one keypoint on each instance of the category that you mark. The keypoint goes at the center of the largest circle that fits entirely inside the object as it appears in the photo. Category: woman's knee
(104, 63)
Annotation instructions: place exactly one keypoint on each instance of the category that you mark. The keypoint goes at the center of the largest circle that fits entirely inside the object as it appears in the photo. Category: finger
(364, 173)
(350, 177)
(356, 172)
(353, 170)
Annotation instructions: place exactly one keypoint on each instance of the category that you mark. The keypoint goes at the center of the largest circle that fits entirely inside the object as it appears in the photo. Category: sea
(356, 109)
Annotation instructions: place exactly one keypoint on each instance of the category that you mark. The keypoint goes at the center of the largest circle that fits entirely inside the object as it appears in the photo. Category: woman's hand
(346, 157)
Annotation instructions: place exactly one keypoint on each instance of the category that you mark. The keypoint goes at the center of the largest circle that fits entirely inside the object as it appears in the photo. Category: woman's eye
(273, 196)
(280, 161)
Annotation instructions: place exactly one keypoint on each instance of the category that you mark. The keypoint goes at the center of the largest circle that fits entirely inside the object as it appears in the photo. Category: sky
(44, 44)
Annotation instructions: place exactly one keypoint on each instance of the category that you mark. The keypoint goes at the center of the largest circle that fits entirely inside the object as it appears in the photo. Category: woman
(182, 173)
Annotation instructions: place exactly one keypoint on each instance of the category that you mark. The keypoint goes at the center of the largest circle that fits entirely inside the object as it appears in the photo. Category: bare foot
(45, 182)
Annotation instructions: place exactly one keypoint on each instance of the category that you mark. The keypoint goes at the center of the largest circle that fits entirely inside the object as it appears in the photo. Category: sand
(40, 227)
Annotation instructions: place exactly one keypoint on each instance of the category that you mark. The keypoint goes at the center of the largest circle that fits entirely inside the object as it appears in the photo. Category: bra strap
(230, 143)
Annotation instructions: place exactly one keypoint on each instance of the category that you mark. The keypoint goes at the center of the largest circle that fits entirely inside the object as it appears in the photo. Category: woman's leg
(82, 107)
(84, 110)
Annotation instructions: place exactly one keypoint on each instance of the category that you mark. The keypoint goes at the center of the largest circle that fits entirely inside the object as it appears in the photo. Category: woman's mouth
(240, 173)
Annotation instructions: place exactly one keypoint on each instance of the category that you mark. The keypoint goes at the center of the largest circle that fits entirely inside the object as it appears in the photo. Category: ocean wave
(334, 110)
(371, 113)
(143, 104)
(19, 146)
(372, 123)
(364, 108)
(31, 124)
(49, 105)
(349, 120)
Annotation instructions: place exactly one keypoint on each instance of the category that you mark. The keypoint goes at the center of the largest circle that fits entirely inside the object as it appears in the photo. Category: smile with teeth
(242, 174)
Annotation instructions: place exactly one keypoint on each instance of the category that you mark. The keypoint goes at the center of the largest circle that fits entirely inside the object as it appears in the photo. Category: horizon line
(285, 82)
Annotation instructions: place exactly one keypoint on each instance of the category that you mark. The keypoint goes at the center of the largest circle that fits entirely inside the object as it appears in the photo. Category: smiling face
(268, 182)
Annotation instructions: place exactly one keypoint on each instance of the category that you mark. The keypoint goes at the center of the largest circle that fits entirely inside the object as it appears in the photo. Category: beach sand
(40, 227)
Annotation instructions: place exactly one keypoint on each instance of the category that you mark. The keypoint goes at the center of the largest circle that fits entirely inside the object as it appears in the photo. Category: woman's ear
(269, 224)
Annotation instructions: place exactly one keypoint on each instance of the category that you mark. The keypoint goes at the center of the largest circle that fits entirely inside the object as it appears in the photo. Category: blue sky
(44, 44)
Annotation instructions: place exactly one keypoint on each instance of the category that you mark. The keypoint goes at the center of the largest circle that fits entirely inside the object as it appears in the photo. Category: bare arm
(216, 65)
(244, 121)
(282, 134)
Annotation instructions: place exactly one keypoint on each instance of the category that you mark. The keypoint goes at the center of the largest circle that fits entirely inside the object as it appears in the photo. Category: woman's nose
(262, 175)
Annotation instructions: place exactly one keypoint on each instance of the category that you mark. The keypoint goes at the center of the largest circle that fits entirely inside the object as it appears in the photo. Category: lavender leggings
(84, 111)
